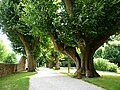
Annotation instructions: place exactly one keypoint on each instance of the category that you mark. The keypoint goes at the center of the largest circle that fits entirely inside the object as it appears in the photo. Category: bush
(104, 65)
(112, 67)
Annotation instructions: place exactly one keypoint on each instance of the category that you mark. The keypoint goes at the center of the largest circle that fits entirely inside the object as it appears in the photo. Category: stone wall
(21, 64)
(6, 69)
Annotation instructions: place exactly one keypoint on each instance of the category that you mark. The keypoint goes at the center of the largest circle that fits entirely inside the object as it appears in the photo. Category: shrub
(112, 67)
(104, 65)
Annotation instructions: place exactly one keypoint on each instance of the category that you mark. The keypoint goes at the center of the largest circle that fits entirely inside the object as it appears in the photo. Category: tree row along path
(47, 79)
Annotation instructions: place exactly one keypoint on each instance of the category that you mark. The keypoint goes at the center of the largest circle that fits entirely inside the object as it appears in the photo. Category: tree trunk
(71, 52)
(50, 64)
(66, 50)
(57, 66)
(30, 61)
(87, 67)
(69, 66)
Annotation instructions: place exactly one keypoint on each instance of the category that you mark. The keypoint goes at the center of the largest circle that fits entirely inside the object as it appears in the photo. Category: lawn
(18, 81)
(108, 82)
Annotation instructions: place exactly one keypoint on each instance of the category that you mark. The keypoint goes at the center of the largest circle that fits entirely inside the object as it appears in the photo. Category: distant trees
(3, 51)
(11, 58)
(6, 56)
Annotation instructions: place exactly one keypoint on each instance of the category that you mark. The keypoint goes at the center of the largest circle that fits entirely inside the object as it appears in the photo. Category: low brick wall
(6, 69)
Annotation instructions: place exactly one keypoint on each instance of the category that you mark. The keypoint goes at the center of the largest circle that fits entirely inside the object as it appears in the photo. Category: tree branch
(100, 40)
(21, 37)
(68, 7)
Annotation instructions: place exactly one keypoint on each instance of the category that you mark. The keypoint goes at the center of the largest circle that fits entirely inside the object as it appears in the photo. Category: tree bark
(50, 64)
(57, 66)
(87, 67)
(66, 50)
(69, 8)
(31, 63)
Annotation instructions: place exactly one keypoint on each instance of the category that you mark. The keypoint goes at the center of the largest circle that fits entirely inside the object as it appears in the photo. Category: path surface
(47, 79)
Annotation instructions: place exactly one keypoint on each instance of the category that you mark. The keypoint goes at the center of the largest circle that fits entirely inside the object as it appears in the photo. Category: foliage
(115, 37)
(85, 24)
(110, 51)
(6, 56)
(9, 21)
(92, 18)
(11, 58)
(1, 62)
(65, 61)
(99, 53)
(109, 82)
(18, 31)
(43, 51)
(3, 51)
(104, 65)
(18, 81)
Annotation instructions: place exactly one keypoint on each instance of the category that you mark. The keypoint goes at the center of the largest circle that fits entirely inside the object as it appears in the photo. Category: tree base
(30, 70)
(78, 74)
(57, 68)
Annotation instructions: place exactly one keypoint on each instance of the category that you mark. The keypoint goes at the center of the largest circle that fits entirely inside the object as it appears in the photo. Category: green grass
(108, 82)
(18, 81)
(69, 74)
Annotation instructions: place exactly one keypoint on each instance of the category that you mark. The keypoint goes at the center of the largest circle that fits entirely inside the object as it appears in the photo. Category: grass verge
(108, 82)
(69, 74)
(18, 81)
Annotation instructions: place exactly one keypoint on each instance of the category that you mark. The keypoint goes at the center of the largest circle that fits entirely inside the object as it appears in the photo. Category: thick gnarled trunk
(31, 63)
(87, 66)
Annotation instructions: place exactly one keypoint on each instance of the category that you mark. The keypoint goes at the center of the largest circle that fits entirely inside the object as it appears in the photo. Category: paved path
(47, 79)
